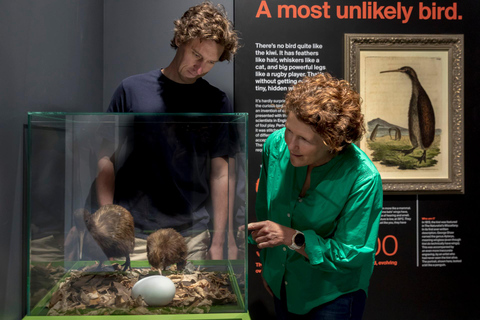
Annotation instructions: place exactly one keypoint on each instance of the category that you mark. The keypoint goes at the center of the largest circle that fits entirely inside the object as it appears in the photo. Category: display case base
(227, 266)
(216, 316)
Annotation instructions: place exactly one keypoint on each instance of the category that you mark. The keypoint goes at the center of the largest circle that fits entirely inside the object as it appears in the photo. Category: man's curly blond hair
(330, 106)
(207, 22)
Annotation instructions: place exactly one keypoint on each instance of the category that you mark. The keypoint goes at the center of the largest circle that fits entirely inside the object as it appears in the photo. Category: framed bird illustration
(412, 91)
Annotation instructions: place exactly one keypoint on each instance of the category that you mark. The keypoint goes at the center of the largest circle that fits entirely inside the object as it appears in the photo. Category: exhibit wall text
(366, 10)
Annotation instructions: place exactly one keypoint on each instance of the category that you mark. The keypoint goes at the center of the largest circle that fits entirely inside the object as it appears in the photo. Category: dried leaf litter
(109, 293)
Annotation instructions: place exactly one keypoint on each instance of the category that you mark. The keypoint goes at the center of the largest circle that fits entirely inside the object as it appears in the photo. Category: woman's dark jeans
(349, 306)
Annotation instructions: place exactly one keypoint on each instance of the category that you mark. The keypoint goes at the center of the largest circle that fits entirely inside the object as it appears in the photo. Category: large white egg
(155, 290)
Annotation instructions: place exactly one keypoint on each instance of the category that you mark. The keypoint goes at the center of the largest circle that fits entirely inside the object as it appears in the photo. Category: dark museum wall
(50, 60)
(59, 55)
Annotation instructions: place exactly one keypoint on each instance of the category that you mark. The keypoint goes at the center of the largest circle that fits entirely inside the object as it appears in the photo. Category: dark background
(59, 55)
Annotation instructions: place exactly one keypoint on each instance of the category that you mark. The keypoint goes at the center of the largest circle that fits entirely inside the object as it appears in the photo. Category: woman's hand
(269, 234)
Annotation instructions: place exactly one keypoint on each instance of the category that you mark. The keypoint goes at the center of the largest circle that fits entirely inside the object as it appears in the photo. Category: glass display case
(117, 201)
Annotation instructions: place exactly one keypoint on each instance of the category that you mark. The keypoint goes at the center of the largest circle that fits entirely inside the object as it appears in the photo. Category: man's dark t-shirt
(164, 181)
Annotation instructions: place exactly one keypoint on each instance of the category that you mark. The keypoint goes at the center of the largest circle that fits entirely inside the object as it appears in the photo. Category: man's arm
(105, 182)
(232, 234)
(219, 194)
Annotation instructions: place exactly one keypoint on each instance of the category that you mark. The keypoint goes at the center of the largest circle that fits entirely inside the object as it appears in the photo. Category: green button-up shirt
(339, 216)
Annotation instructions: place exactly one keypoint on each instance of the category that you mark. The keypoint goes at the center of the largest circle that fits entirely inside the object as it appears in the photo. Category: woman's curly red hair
(330, 106)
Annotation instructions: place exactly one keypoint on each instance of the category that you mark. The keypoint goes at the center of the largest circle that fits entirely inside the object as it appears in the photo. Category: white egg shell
(155, 290)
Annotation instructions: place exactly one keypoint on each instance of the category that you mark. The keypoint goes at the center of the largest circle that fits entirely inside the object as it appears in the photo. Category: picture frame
(412, 100)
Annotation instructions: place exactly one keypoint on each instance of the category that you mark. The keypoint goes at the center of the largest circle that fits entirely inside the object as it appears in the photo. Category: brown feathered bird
(421, 117)
(166, 247)
(112, 228)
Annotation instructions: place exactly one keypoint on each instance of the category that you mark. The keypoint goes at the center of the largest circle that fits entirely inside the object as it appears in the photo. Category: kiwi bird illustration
(112, 228)
(166, 247)
(421, 118)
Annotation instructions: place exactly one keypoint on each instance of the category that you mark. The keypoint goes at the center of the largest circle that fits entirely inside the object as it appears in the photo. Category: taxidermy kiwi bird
(421, 118)
(166, 247)
(112, 228)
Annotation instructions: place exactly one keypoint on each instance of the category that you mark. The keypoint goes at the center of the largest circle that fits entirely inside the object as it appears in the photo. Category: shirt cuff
(313, 247)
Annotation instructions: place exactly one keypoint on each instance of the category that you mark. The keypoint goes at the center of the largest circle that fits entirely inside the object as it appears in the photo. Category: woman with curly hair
(318, 205)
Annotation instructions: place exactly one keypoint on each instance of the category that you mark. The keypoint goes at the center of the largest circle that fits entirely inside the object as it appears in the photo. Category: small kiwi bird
(421, 118)
(166, 247)
(112, 228)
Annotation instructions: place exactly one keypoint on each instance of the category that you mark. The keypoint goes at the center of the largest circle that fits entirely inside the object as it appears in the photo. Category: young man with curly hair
(170, 190)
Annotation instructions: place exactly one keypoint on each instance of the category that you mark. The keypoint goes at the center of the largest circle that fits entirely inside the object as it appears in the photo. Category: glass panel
(185, 172)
